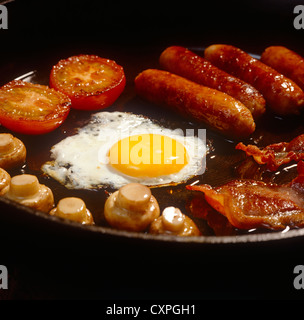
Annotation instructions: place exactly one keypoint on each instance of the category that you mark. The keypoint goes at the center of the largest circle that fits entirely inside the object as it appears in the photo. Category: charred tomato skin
(91, 82)
(29, 108)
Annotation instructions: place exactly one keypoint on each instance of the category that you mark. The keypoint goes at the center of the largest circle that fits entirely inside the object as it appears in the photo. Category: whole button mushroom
(74, 209)
(174, 222)
(5, 180)
(12, 151)
(26, 190)
(132, 208)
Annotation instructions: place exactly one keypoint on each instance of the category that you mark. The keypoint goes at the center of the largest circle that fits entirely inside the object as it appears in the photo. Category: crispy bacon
(276, 155)
(220, 225)
(251, 204)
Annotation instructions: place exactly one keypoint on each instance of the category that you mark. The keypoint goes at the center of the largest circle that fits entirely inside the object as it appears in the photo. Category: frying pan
(38, 37)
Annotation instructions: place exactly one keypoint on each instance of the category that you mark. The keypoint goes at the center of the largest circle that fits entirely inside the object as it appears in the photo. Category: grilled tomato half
(32, 108)
(90, 82)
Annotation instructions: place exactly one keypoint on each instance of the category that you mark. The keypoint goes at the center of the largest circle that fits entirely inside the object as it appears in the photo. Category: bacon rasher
(275, 155)
(251, 204)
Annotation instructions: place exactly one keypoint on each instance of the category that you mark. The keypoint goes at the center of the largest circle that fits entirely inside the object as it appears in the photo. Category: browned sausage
(196, 102)
(286, 62)
(282, 95)
(187, 64)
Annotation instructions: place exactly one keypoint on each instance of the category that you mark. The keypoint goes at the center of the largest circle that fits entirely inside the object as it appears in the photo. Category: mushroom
(132, 208)
(74, 209)
(5, 180)
(26, 190)
(12, 151)
(174, 222)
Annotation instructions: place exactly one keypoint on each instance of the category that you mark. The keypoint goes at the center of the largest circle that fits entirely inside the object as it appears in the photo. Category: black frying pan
(40, 35)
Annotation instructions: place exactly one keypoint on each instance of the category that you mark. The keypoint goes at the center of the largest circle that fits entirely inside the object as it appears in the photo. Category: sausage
(286, 62)
(282, 95)
(196, 102)
(186, 63)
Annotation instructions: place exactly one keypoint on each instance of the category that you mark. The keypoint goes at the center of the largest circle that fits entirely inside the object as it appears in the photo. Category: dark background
(54, 266)
(36, 24)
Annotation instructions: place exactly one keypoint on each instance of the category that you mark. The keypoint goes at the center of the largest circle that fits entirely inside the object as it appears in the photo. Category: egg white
(81, 161)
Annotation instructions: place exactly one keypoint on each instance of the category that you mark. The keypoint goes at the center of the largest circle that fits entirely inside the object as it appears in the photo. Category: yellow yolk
(148, 155)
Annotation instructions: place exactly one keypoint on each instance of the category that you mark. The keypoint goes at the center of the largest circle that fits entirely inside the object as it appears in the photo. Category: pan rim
(195, 240)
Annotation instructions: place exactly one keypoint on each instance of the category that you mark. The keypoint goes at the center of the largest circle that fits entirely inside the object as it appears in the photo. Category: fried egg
(117, 148)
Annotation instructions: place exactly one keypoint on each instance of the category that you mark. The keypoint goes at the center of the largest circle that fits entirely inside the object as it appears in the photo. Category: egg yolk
(148, 155)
